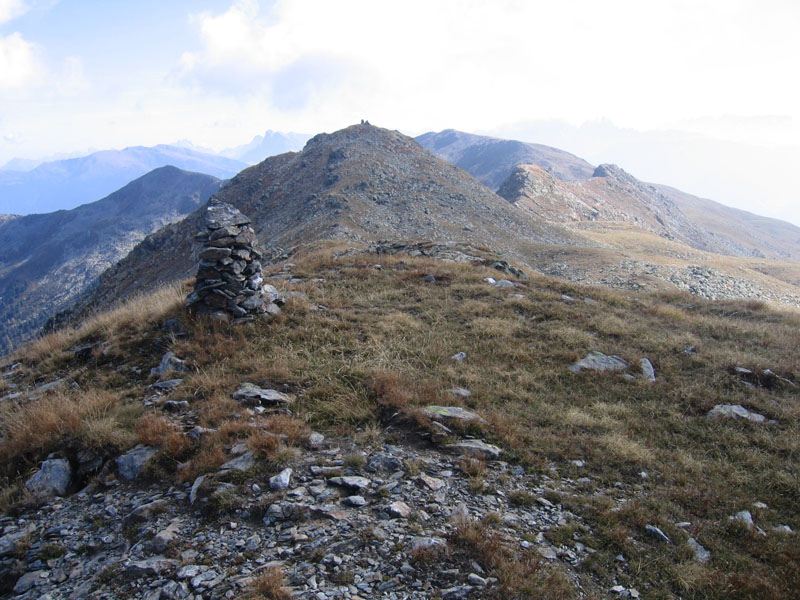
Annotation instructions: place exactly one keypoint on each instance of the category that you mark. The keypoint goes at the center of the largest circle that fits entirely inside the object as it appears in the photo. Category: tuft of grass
(521, 574)
(270, 585)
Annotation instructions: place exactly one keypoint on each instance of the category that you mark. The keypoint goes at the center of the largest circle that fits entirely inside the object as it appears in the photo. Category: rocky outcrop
(229, 284)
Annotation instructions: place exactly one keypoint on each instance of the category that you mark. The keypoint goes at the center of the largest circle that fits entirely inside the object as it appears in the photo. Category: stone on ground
(52, 479)
(597, 361)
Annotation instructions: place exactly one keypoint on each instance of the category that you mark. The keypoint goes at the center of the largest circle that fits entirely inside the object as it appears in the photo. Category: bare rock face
(229, 285)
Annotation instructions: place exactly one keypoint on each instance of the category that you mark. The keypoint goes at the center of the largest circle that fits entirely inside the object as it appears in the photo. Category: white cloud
(10, 9)
(418, 63)
(19, 64)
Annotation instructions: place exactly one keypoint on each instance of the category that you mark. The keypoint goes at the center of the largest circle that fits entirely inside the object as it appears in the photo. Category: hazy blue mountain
(28, 164)
(491, 160)
(46, 260)
(269, 144)
(65, 184)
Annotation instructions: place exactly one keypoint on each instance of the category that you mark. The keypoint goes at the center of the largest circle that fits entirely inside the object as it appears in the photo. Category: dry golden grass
(383, 345)
(92, 418)
(134, 314)
(270, 585)
(159, 432)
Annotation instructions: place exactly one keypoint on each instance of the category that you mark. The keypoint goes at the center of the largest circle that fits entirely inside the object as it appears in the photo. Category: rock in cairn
(229, 285)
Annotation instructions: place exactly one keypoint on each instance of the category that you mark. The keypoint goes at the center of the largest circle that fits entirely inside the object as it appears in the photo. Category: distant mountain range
(552, 212)
(561, 188)
(47, 260)
(365, 183)
(271, 143)
(65, 184)
(359, 184)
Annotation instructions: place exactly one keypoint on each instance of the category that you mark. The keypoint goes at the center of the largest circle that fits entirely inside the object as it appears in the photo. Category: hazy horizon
(695, 95)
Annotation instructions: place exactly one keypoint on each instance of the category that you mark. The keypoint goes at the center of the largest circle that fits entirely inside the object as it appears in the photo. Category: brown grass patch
(270, 585)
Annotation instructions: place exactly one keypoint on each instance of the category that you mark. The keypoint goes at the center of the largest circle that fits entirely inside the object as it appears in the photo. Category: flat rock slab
(29, 581)
(356, 501)
(734, 411)
(432, 483)
(52, 479)
(351, 481)
(130, 464)
(249, 393)
(240, 463)
(222, 214)
(451, 413)
(597, 361)
(477, 447)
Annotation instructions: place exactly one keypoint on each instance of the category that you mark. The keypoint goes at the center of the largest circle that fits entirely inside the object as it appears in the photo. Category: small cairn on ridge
(229, 285)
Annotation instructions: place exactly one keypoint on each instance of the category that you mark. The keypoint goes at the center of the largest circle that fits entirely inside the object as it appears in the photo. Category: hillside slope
(759, 235)
(65, 184)
(47, 260)
(612, 196)
(590, 484)
(702, 224)
(491, 160)
(361, 183)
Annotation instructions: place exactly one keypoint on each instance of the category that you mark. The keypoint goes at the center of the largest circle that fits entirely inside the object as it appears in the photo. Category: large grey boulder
(130, 464)
(597, 361)
(52, 479)
(280, 481)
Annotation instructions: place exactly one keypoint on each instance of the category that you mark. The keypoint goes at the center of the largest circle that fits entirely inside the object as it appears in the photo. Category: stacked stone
(229, 284)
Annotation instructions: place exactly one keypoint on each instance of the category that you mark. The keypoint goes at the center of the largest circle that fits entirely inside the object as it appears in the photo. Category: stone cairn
(229, 285)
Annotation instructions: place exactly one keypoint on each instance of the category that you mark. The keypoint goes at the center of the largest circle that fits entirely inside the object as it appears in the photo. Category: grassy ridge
(367, 342)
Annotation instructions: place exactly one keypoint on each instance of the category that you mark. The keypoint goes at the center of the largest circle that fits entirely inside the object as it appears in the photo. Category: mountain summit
(362, 183)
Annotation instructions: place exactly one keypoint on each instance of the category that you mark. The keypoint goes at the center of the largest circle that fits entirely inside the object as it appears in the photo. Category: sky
(699, 94)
